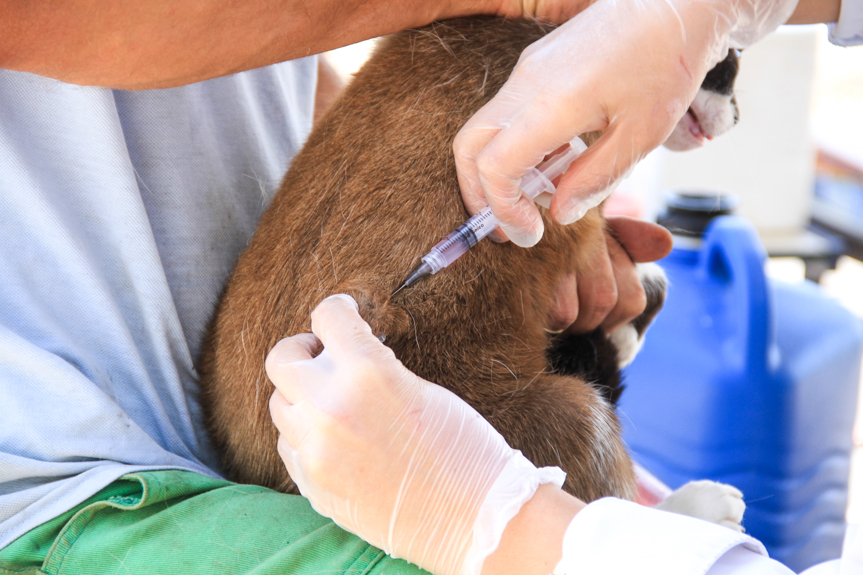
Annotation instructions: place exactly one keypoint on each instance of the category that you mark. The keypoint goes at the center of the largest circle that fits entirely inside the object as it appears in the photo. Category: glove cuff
(516, 484)
(755, 19)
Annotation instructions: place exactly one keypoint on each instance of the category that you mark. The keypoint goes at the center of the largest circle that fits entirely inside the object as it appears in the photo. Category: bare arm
(166, 43)
(815, 12)
(533, 539)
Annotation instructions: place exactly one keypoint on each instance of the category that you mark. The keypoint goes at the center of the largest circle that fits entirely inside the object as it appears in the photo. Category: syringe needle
(416, 275)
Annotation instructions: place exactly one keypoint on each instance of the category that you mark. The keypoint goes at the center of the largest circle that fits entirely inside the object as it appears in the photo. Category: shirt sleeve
(741, 561)
(848, 31)
(615, 537)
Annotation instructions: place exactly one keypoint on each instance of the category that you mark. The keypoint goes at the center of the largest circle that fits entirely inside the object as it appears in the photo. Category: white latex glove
(399, 461)
(628, 67)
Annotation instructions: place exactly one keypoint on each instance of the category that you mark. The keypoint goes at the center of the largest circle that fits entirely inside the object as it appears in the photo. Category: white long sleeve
(611, 536)
(851, 562)
(848, 31)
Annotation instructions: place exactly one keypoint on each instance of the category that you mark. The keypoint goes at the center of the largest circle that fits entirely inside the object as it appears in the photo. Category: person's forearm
(165, 43)
(532, 542)
(815, 12)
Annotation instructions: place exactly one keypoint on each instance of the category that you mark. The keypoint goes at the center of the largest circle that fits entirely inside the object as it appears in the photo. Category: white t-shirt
(121, 215)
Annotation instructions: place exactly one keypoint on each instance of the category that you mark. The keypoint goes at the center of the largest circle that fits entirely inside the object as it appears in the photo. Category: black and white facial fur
(714, 110)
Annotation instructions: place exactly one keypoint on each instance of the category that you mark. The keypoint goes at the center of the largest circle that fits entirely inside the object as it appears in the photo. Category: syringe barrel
(557, 164)
(461, 240)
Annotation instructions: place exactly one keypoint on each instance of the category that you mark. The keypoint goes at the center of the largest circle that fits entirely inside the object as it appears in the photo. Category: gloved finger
(294, 422)
(279, 407)
(500, 170)
(643, 241)
(291, 458)
(284, 364)
(509, 204)
(597, 292)
(345, 334)
(519, 218)
(631, 299)
(287, 453)
(507, 157)
(471, 139)
(589, 179)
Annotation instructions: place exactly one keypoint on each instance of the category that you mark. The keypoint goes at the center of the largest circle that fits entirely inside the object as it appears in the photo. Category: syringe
(535, 183)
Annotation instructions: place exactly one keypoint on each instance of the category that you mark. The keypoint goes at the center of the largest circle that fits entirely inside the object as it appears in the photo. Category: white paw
(629, 338)
(627, 342)
(652, 277)
(715, 502)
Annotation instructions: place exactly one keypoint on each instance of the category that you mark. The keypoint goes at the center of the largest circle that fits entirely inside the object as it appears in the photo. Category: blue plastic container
(751, 382)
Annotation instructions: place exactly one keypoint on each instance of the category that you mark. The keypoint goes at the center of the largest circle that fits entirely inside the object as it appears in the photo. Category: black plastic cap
(688, 214)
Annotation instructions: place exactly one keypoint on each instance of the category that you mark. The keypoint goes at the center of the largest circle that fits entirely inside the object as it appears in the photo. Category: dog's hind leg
(563, 421)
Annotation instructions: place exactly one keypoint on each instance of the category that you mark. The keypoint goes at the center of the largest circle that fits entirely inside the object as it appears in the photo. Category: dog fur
(373, 189)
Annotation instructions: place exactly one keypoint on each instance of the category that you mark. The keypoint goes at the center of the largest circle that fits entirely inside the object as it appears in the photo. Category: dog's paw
(627, 342)
(591, 356)
(715, 502)
(629, 338)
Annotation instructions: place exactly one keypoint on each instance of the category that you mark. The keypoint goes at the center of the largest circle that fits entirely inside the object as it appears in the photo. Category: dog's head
(714, 110)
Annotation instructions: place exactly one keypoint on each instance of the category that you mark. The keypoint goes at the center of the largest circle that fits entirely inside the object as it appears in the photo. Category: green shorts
(178, 522)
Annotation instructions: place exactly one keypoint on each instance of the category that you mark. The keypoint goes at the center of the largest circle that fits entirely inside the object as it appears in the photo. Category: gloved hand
(444, 483)
(628, 68)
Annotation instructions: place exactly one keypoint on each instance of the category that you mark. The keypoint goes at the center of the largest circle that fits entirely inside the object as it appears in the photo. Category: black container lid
(688, 213)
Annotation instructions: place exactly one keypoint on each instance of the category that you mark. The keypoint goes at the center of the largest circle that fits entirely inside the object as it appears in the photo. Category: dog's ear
(385, 319)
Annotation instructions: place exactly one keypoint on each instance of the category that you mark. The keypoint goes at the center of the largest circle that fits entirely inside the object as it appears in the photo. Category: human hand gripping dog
(400, 461)
(412, 469)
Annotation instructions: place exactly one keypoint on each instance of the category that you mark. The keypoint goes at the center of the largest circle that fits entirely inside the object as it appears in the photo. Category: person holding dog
(135, 160)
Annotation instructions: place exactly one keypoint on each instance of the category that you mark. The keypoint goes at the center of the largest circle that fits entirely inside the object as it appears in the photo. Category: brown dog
(374, 188)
